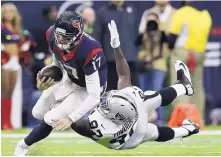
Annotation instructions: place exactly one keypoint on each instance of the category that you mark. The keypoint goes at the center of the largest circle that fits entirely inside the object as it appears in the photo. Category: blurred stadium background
(37, 16)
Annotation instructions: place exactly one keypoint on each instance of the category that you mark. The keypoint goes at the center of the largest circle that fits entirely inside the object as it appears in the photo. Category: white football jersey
(126, 136)
(135, 92)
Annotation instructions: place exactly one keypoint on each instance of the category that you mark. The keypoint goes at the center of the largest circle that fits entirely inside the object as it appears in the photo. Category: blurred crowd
(151, 44)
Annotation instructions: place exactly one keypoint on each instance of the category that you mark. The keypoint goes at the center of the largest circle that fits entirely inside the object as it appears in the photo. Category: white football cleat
(21, 149)
(183, 76)
(190, 127)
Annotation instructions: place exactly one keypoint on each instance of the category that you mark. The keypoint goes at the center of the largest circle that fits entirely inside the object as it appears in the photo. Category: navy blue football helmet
(68, 30)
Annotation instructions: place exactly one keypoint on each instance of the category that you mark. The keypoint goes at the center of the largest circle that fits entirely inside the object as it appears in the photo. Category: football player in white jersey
(120, 121)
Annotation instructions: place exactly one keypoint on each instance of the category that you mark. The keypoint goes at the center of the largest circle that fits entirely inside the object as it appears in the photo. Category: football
(51, 71)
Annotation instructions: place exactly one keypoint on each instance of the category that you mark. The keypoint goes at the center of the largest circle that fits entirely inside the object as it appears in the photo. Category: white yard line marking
(178, 146)
(210, 132)
(70, 135)
(54, 135)
(82, 141)
(118, 152)
(127, 152)
(213, 152)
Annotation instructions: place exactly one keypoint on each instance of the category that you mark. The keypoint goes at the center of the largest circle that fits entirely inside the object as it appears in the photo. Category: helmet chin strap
(68, 46)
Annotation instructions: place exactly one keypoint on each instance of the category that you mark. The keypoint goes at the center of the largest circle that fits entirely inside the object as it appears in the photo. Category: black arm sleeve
(82, 127)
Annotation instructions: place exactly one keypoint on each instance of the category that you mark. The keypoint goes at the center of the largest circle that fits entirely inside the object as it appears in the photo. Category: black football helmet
(68, 30)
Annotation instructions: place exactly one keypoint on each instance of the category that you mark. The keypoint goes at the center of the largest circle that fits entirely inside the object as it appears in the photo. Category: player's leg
(63, 109)
(41, 130)
(163, 97)
(166, 96)
(181, 54)
(43, 104)
(61, 91)
(71, 103)
(164, 133)
(82, 126)
(42, 107)
(48, 97)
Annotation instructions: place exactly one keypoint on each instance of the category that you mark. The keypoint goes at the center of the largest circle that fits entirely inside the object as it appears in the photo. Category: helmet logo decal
(120, 116)
(76, 24)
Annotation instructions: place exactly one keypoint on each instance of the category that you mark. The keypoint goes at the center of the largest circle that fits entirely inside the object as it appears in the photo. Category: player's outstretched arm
(123, 70)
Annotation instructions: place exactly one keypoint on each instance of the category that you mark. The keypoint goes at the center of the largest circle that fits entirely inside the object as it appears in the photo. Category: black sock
(165, 134)
(168, 95)
(39, 132)
(151, 96)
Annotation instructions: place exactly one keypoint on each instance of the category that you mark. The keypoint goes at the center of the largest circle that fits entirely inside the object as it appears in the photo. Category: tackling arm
(93, 89)
(123, 70)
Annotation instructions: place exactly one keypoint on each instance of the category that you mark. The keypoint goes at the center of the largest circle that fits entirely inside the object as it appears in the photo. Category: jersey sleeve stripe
(150, 96)
(91, 54)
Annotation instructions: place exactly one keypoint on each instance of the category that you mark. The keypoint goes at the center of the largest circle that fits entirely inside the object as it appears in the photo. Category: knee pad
(48, 118)
(37, 114)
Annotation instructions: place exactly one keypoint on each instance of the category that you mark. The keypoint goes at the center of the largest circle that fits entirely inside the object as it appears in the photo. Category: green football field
(207, 143)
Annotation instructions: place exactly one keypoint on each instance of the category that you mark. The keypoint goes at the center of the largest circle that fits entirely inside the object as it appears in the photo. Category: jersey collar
(70, 55)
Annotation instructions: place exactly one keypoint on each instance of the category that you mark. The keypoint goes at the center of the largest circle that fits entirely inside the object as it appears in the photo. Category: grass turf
(199, 145)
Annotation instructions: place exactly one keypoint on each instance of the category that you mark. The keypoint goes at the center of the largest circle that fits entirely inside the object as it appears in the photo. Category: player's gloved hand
(115, 41)
(62, 124)
(42, 84)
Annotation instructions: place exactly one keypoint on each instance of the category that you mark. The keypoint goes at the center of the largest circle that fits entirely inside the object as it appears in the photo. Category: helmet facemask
(68, 30)
(66, 41)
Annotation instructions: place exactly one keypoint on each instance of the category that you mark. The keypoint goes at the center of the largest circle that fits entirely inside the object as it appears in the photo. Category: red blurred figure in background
(12, 35)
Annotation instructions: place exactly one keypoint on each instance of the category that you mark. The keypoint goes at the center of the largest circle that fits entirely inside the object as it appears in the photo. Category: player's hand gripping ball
(48, 76)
